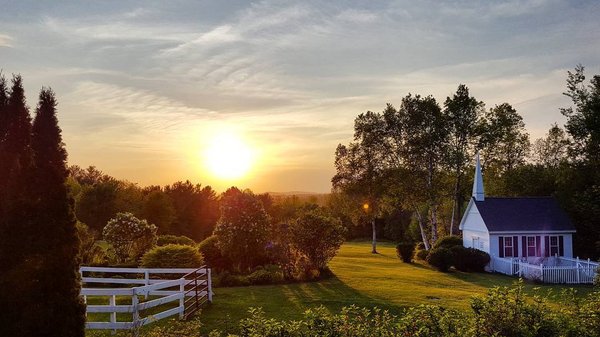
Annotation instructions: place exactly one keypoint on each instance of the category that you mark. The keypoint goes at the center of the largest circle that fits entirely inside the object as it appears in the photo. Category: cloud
(5, 41)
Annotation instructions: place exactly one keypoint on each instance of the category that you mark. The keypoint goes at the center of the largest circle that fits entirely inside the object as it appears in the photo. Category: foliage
(421, 254)
(507, 312)
(440, 258)
(163, 240)
(503, 311)
(582, 120)
(551, 151)
(90, 253)
(212, 254)
(504, 142)
(39, 247)
(270, 274)
(462, 113)
(317, 237)
(449, 242)
(243, 229)
(469, 259)
(172, 256)
(129, 236)
(360, 166)
(158, 209)
(405, 251)
(196, 209)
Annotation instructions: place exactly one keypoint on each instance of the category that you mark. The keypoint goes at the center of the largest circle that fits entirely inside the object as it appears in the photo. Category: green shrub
(268, 275)
(421, 254)
(212, 254)
(405, 251)
(440, 258)
(226, 279)
(507, 312)
(469, 259)
(448, 242)
(164, 240)
(172, 256)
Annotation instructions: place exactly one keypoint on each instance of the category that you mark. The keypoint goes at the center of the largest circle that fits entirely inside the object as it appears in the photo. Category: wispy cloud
(5, 40)
(144, 81)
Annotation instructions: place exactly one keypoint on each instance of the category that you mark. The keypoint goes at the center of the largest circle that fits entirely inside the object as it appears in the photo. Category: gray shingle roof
(523, 214)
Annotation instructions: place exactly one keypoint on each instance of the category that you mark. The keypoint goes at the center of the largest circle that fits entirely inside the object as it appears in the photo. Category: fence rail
(189, 283)
(557, 270)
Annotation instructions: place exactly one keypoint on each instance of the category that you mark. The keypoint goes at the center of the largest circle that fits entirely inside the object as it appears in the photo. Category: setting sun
(228, 156)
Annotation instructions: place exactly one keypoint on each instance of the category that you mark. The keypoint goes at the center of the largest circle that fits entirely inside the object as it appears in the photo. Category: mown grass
(361, 278)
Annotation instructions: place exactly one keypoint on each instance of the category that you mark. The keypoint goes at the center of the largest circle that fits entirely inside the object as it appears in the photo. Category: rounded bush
(212, 253)
(265, 276)
(172, 256)
(421, 254)
(164, 240)
(440, 258)
(469, 259)
(405, 251)
(448, 242)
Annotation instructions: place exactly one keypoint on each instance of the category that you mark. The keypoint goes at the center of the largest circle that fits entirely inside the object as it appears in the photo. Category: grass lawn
(363, 279)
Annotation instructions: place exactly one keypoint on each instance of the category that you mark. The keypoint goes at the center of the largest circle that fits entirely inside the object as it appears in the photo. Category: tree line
(418, 159)
(181, 208)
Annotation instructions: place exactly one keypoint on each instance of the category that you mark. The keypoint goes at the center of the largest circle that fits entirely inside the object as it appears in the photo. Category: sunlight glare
(228, 156)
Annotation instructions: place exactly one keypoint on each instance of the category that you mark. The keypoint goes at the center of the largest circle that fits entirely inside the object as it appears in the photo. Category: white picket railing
(169, 290)
(557, 270)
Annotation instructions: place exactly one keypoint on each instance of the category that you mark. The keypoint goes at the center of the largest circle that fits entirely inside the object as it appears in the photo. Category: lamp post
(367, 209)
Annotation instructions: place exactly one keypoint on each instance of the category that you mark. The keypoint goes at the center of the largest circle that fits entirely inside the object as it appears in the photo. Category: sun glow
(228, 157)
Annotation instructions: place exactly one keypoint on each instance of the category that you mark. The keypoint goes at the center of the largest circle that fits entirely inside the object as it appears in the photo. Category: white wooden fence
(193, 284)
(552, 270)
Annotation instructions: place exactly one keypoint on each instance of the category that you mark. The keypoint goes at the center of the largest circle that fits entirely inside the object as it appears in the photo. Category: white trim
(466, 213)
(541, 232)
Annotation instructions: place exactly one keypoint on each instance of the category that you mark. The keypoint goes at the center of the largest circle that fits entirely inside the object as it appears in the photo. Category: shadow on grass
(284, 302)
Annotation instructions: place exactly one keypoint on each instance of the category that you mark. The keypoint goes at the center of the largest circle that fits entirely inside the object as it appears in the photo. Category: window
(508, 246)
(477, 243)
(554, 246)
(531, 246)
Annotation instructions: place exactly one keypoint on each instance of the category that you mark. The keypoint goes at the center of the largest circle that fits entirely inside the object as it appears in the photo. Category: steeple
(478, 193)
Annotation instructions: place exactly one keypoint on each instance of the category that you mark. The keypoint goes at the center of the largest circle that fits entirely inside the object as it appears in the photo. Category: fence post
(209, 282)
(182, 300)
(146, 281)
(113, 315)
(542, 271)
(135, 314)
(577, 270)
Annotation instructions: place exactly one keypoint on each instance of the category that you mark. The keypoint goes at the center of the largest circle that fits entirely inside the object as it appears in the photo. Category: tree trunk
(374, 227)
(456, 202)
(432, 203)
(434, 224)
(422, 228)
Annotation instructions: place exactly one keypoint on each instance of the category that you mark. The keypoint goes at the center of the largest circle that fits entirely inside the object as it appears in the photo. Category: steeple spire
(478, 193)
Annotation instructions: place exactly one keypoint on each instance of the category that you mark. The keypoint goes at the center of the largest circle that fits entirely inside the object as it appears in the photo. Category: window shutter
(561, 249)
(524, 245)
(515, 246)
(501, 246)
(538, 246)
(546, 246)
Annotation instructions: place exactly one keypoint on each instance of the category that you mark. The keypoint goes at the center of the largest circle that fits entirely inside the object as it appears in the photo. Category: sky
(144, 87)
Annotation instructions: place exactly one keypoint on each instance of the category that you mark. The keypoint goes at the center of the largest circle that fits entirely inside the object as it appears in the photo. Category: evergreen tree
(15, 226)
(60, 310)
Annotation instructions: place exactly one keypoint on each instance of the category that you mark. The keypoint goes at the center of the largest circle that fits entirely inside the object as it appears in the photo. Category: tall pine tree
(15, 226)
(60, 311)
